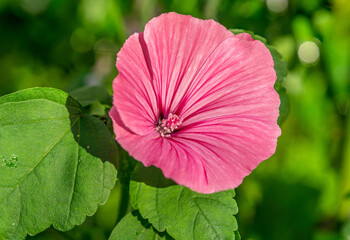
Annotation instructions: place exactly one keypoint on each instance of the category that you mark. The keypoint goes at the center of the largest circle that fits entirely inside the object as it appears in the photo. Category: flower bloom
(196, 101)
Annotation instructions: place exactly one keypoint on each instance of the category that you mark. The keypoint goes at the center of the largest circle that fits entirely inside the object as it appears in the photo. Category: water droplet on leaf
(2, 161)
(9, 162)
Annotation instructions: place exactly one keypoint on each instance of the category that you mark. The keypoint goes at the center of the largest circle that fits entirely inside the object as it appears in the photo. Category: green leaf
(280, 65)
(185, 214)
(51, 171)
(237, 235)
(284, 106)
(88, 95)
(254, 36)
(132, 227)
(281, 69)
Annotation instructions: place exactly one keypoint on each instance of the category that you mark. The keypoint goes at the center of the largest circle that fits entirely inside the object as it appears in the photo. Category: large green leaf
(52, 171)
(185, 214)
(132, 227)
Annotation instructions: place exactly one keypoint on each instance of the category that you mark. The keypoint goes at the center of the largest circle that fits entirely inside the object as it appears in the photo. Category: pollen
(168, 125)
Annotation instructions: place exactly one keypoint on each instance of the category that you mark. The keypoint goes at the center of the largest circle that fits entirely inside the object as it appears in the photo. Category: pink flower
(196, 101)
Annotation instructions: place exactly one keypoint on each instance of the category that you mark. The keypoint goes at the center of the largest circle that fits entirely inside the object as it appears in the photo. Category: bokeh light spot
(34, 6)
(308, 52)
(277, 6)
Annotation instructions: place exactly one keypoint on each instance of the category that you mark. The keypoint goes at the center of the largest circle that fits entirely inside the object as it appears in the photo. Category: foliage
(52, 174)
(55, 175)
(297, 194)
(184, 214)
(133, 227)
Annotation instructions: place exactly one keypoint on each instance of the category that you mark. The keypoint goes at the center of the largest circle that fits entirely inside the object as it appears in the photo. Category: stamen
(167, 126)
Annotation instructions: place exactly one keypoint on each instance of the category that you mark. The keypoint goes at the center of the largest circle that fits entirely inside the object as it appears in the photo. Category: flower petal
(135, 144)
(134, 94)
(237, 78)
(178, 45)
(174, 159)
(221, 85)
(229, 149)
(230, 112)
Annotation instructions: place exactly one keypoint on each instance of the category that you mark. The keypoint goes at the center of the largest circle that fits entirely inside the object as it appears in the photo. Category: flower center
(168, 125)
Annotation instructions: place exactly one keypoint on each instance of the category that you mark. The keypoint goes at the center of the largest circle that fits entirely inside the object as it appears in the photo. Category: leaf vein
(206, 218)
(42, 120)
(178, 200)
(214, 200)
(31, 170)
(157, 208)
(194, 224)
(75, 175)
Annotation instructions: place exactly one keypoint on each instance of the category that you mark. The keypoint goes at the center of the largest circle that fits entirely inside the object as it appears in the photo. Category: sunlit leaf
(183, 213)
(52, 171)
(133, 227)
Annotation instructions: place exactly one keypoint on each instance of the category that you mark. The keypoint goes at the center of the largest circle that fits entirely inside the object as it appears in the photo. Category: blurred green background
(303, 191)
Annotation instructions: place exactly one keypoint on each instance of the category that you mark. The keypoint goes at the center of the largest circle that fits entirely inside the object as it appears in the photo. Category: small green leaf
(237, 235)
(88, 95)
(52, 171)
(284, 106)
(133, 227)
(280, 65)
(254, 36)
(185, 214)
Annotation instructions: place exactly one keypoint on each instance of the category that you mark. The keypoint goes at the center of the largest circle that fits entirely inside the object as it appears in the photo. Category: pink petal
(230, 149)
(134, 94)
(152, 149)
(221, 85)
(181, 159)
(245, 36)
(178, 45)
(137, 146)
(231, 109)
(238, 77)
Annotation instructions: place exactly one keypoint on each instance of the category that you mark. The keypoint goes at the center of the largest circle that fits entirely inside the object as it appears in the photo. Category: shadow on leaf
(151, 176)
